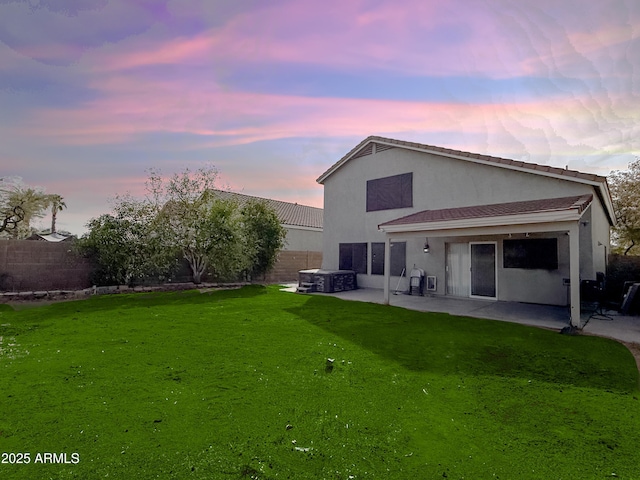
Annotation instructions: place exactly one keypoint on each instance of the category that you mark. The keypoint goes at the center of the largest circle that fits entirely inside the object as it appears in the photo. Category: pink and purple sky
(94, 92)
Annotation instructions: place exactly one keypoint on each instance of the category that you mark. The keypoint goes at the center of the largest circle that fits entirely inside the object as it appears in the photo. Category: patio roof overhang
(535, 215)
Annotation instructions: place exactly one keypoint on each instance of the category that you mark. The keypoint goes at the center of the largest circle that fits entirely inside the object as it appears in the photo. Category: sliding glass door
(483, 270)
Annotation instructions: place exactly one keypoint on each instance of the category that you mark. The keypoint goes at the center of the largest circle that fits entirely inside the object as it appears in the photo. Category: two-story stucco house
(479, 226)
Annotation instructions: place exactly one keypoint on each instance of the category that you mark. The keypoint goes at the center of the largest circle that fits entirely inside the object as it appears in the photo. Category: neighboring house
(51, 237)
(302, 223)
(303, 242)
(479, 226)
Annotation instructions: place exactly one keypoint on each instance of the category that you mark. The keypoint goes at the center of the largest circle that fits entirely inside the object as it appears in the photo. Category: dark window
(377, 259)
(353, 256)
(346, 256)
(390, 192)
(398, 258)
(531, 253)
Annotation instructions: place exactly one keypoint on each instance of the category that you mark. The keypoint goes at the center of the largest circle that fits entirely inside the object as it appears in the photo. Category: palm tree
(10, 215)
(32, 202)
(56, 202)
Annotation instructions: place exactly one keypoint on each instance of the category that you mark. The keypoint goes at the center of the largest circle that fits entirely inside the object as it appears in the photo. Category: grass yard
(237, 385)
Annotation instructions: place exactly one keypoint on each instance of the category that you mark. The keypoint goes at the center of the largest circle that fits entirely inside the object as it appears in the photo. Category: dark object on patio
(326, 281)
(570, 330)
(416, 280)
(631, 300)
(593, 292)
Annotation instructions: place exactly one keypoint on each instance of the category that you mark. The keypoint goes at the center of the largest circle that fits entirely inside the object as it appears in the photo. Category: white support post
(574, 273)
(387, 269)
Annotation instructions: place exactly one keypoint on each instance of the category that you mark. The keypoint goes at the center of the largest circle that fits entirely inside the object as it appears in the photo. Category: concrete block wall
(621, 269)
(29, 265)
(290, 262)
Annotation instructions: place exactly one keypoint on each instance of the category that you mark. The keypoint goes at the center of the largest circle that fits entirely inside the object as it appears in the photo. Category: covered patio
(489, 225)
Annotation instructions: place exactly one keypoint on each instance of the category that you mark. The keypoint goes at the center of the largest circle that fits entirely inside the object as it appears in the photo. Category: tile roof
(577, 203)
(291, 214)
(504, 162)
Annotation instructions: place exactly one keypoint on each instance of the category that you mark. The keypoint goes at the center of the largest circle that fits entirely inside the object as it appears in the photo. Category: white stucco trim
(499, 221)
(492, 230)
(300, 227)
(574, 273)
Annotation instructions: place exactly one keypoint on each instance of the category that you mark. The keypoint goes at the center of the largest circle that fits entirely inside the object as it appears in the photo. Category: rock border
(62, 295)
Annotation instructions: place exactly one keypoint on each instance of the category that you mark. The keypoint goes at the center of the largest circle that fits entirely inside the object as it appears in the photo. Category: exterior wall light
(425, 249)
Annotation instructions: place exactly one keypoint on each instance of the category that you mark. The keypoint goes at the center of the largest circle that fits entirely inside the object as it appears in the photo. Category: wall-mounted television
(531, 253)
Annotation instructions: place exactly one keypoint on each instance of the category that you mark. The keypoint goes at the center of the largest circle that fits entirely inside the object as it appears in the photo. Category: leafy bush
(182, 217)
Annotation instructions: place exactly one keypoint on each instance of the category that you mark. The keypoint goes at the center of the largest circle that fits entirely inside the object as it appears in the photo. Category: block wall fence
(621, 269)
(290, 263)
(28, 265)
(31, 265)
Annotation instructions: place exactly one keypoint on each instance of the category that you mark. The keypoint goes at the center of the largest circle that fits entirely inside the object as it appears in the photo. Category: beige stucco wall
(532, 286)
(303, 239)
(601, 238)
(438, 183)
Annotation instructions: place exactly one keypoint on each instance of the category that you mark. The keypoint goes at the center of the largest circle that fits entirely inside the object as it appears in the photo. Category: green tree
(57, 204)
(125, 247)
(625, 192)
(181, 216)
(11, 214)
(211, 242)
(19, 205)
(204, 229)
(263, 237)
(108, 245)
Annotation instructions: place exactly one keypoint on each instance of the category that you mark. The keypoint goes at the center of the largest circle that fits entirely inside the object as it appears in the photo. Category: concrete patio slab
(611, 325)
(619, 327)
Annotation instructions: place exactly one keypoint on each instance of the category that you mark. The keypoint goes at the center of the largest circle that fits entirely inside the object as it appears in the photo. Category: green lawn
(236, 385)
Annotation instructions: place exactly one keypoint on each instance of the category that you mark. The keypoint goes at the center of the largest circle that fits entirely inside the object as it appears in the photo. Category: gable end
(367, 150)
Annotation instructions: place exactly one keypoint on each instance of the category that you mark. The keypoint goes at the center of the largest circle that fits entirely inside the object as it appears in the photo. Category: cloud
(496, 38)
(59, 33)
(98, 89)
(130, 108)
(145, 85)
(352, 35)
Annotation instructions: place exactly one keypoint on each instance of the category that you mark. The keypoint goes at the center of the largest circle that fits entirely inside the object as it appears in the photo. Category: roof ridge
(480, 156)
(289, 213)
(506, 162)
(264, 198)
